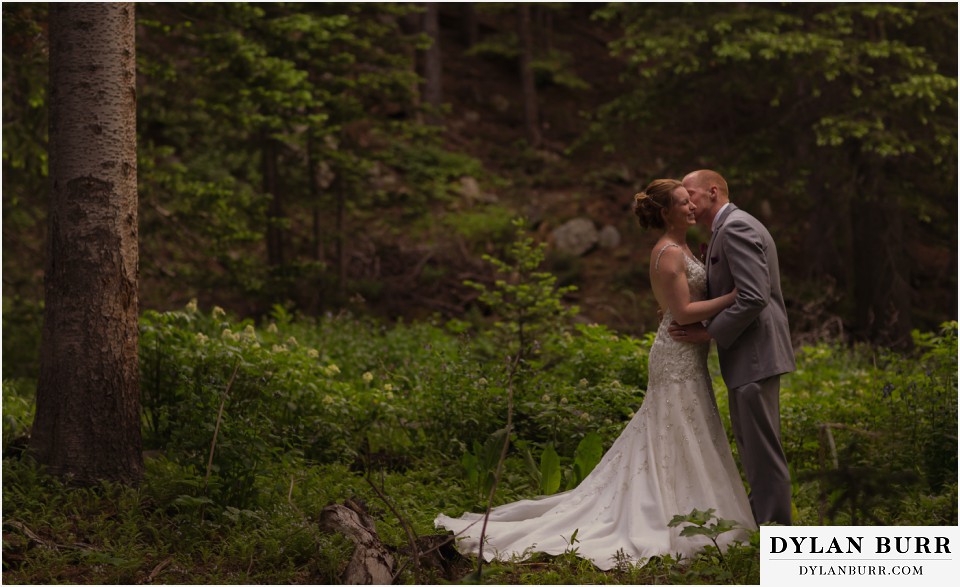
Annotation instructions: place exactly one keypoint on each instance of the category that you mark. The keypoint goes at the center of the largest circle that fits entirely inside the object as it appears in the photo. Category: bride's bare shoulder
(665, 253)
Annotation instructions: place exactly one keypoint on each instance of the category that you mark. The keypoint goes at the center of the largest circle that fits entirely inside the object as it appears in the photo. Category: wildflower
(389, 395)
(585, 416)
(313, 353)
(388, 387)
(545, 398)
(615, 384)
(202, 338)
(482, 381)
(249, 333)
(292, 341)
(218, 312)
(333, 369)
(227, 334)
(631, 414)
(584, 382)
(327, 400)
(192, 305)
(367, 377)
(272, 329)
(563, 401)
(279, 348)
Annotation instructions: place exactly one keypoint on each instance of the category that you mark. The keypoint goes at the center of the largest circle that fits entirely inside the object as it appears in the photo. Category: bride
(672, 457)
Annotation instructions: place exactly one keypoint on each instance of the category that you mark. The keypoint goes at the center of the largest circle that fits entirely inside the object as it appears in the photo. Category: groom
(753, 338)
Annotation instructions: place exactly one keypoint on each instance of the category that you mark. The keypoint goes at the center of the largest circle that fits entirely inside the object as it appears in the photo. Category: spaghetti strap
(656, 265)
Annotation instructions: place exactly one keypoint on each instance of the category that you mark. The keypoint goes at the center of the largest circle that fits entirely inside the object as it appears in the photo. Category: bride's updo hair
(650, 203)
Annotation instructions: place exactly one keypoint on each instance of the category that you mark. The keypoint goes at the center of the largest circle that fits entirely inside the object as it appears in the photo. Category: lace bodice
(679, 361)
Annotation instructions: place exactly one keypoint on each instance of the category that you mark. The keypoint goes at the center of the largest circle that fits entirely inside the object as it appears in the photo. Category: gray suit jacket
(753, 337)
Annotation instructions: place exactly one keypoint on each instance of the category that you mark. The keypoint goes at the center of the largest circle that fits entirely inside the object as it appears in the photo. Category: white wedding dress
(672, 457)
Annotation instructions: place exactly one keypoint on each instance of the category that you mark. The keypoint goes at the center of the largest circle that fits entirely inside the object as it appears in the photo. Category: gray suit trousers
(755, 416)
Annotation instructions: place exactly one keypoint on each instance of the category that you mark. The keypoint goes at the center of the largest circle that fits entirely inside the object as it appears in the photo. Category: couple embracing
(673, 456)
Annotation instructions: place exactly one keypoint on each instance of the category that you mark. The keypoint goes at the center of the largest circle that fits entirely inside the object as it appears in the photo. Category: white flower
(249, 332)
(313, 353)
(279, 348)
(328, 400)
(218, 312)
(333, 369)
(292, 341)
(545, 398)
(389, 395)
(388, 387)
(367, 377)
(192, 305)
(563, 401)
(272, 329)
(482, 381)
(584, 382)
(202, 338)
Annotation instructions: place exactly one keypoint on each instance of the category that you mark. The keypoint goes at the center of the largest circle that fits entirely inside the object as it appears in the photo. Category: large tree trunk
(341, 238)
(468, 24)
(433, 64)
(87, 423)
(271, 186)
(531, 113)
(882, 276)
(313, 170)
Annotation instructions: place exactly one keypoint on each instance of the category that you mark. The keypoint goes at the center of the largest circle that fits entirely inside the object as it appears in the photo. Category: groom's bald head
(706, 179)
(708, 192)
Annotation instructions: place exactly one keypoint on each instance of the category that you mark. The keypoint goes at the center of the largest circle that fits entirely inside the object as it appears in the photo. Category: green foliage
(585, 458)
(25, 158)
(868, 425)
(548, 476)
(22, 327)
(529, 306)
(842, 115)
(319, 407)
(549, 471)
(482, 224)
(18, 398)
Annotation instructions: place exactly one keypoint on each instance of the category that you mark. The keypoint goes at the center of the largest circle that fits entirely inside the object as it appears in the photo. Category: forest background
(346, 176)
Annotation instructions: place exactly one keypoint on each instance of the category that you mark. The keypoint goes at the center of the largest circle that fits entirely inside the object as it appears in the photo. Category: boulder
(575, 237)
(609, 237)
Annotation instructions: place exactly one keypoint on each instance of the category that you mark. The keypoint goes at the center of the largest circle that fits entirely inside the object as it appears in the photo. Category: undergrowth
(318, 411)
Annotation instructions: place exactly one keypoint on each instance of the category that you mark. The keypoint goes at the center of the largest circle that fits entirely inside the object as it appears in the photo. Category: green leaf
(588, 454)
(549, 471)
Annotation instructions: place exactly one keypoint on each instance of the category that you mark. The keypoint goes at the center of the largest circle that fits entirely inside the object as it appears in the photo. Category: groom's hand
(693, 333)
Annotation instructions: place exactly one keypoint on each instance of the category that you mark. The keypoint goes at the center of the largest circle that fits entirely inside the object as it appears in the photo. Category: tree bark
(313, 172)
(341, 238)
(87, 423)
(881, 273)
(371, 562)
(531, 114)
(468, 24)
(433, 64)
(271, 187)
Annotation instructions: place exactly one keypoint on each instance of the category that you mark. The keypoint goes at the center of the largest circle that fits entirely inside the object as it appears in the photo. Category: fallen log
(371, 563)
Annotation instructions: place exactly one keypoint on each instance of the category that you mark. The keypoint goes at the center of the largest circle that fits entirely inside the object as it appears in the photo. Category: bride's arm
(672, 275)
